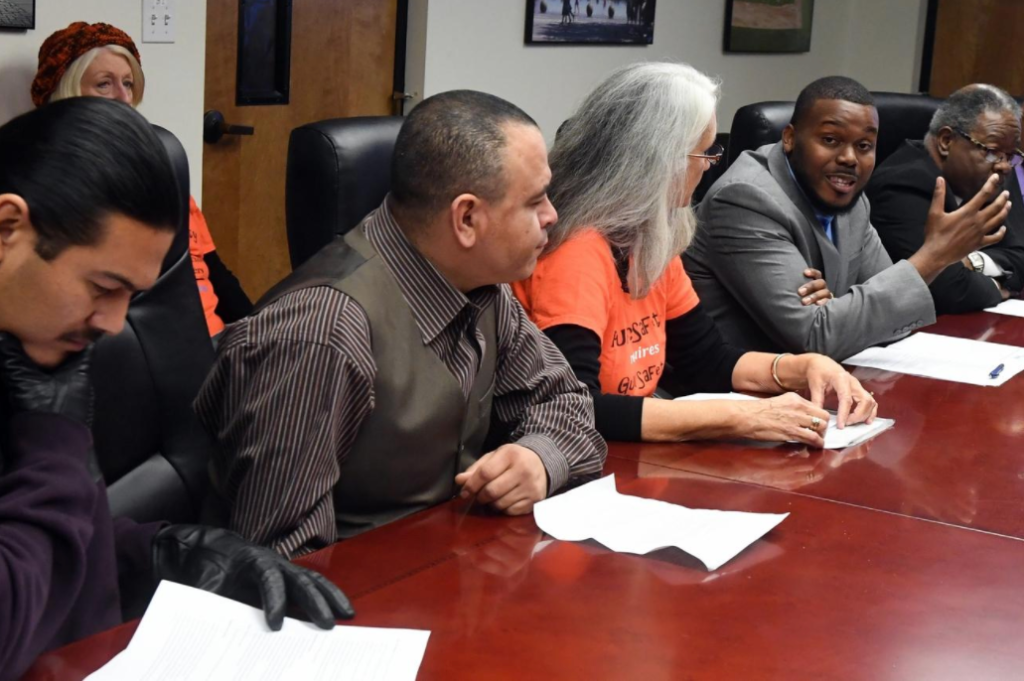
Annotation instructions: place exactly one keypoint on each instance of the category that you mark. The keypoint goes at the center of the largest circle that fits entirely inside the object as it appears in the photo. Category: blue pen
(995, 372)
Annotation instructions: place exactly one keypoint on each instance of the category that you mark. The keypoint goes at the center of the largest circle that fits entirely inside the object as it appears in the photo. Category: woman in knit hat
(100, 60)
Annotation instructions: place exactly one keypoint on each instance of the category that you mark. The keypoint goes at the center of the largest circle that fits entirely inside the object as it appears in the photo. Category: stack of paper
(1012, 308)
(946, 358)
(835, 438)
(190, 634)
(628, 524)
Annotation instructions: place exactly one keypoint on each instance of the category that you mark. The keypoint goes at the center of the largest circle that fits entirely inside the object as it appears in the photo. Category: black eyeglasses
(994, 156)
(713, 155)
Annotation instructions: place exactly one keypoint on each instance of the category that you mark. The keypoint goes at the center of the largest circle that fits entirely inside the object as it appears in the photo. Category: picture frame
(590, 22)
(760, 26)
(17, 15)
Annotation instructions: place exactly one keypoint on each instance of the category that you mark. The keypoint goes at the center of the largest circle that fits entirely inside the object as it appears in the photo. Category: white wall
(175, 73)
(478, 44)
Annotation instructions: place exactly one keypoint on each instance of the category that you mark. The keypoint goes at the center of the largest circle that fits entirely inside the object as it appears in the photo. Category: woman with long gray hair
(611, 292)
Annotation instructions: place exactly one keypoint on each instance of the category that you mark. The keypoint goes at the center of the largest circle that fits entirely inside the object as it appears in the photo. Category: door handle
(215, 127)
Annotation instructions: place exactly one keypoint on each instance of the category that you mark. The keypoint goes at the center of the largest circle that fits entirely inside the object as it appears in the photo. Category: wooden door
(342, 64)
(978, 41)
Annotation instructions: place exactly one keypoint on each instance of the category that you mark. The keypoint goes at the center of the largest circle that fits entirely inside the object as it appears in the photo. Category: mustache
(86, 336)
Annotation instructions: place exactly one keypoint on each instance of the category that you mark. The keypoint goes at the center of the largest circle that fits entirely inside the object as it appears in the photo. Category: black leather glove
(66, 390)
(223, 563)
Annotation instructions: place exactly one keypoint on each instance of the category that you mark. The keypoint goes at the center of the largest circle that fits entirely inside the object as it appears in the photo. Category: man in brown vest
(366, 383)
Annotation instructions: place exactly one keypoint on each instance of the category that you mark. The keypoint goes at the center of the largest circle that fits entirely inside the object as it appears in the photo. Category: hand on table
(786, 418)
(825, 376)
(511, 479)
(816, 292)
(222, 562)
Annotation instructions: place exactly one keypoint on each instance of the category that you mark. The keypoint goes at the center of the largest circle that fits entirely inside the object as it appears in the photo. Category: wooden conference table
(901, 560)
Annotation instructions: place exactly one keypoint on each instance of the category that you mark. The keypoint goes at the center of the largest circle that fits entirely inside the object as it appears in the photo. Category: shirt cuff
(554, 462)
(991, 269)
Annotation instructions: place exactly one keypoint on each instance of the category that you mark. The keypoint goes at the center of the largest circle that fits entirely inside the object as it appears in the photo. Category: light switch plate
(159, 21)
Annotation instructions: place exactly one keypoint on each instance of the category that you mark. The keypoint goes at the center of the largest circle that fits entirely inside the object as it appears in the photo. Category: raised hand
(949, 237)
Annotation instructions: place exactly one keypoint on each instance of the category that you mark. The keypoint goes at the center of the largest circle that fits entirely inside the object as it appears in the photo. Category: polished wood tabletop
(834, 592)
(859, 582)
(956, 454)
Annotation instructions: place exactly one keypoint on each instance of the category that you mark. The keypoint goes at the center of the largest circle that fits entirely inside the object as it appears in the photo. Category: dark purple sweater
(61, 554)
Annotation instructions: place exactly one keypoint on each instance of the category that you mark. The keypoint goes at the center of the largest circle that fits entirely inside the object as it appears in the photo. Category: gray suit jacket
(758, 233)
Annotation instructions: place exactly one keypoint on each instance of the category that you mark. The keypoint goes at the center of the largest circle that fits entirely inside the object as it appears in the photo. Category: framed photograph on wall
(768, 25)
(590, 22)
(17, 15)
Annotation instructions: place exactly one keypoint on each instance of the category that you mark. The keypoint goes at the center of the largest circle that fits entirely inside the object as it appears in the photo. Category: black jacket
(900, 192)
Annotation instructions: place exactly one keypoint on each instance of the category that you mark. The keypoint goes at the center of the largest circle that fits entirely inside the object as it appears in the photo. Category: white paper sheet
(628, 524)
(945, 358)
(834, 437)
(1012, 308)
(188, 634)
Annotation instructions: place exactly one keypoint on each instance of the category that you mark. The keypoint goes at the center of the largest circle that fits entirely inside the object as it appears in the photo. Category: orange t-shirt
(199, 244)
(578, 284)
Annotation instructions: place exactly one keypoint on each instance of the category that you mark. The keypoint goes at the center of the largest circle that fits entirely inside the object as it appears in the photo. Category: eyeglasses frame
(993, 156)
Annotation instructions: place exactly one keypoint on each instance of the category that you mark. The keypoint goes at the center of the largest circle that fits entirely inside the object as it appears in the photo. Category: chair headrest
(179, 161)
(338, 171)
(900, 117)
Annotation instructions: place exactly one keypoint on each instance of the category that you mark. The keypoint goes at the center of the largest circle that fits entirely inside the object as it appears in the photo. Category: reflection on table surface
(955, 454)
(835, 591)
(856, 584)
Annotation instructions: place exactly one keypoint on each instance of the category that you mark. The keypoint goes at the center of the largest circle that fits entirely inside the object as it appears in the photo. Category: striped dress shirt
(293, 383)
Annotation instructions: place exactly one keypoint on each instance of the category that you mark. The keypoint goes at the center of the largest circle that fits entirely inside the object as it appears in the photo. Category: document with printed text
(188, 634)
(628, 524)
(946, 358)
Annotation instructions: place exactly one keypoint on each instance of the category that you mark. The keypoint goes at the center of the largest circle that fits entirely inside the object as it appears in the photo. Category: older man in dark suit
(975, 133)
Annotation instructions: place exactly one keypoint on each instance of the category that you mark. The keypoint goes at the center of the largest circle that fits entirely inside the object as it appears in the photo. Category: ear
(944, 140)
(15, 226)
(468, 219)
(788, 138)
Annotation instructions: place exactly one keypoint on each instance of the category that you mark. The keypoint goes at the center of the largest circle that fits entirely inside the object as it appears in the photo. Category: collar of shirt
(434, 302)
(825, 220)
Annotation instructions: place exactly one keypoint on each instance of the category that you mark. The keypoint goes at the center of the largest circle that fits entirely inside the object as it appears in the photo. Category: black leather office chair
(900, 117)
(338, 171)
(151, 448)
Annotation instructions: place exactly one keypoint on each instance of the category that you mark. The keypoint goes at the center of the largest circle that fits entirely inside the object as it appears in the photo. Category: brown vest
(422, 431)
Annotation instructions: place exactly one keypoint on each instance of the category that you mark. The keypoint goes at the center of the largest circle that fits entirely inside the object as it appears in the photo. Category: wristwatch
(977, 262)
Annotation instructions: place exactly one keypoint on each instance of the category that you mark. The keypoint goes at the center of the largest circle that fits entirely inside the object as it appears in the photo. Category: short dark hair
(450, 144)
(77, 161)
(830, 87)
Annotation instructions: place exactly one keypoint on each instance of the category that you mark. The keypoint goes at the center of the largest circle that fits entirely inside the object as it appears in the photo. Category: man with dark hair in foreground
(86, 218)
(973, 134)
(798, 204)
(364, 386)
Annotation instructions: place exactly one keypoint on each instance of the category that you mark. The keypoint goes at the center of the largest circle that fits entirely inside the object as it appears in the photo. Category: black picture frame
(631, 29)
(17, 15)
(264, 52)
(776, 35)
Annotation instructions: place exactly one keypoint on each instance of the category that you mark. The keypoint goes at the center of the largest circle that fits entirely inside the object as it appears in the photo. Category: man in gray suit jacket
(797, 205)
